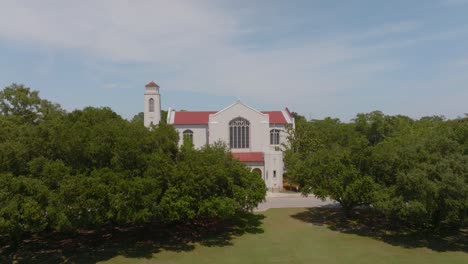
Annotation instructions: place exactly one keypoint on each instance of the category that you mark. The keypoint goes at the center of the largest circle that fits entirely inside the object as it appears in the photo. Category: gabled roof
(203, 117)
(239, 102)
(192, 117)
(289, 112)
(248, 156)
(276, 117)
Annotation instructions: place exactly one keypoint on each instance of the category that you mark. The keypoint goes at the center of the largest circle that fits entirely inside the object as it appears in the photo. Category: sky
(318, 58)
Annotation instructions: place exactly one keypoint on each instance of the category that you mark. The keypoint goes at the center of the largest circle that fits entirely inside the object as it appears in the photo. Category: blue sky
(319, 58)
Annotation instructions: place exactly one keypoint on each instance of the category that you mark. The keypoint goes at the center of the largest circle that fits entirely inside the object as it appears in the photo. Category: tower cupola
(152, 113)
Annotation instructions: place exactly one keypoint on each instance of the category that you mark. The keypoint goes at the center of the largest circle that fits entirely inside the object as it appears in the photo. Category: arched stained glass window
(188, 135)
(239, 133)
(151, 105)
(275, 136)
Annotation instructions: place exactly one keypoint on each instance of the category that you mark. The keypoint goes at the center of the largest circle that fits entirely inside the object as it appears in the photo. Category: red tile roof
(192, 117)
(248, 156)
(276, 117)
(202, 117)
(152, 84)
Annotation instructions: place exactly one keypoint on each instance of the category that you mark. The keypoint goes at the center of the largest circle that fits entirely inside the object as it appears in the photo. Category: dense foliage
(91, 168)
(415, 171)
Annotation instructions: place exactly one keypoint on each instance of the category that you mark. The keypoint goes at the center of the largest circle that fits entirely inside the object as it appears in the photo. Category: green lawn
(310, 236)
(315, 235)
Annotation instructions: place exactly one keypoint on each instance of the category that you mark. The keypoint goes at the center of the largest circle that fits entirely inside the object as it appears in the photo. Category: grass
(295, 235)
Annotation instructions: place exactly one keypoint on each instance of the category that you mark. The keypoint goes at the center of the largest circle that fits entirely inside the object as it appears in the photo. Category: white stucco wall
(217, 129)
(274, 162)
(155, 117)
(259, 127)
(199, 134)
(283, 136)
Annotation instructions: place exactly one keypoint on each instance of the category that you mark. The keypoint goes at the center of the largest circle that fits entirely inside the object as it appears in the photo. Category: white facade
(255, 142)
(200, 134)
(152, 113)
(259, 129)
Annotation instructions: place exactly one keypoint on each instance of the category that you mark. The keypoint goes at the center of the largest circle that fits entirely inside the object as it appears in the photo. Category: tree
(376, 126)
(23, 203)
(426, 177)
(326, 161)
(413, 171)
(91, 168)
(20, 101)
(210, 183)
(140, 117)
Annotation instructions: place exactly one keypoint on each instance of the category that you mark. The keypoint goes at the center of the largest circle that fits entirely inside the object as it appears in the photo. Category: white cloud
(117, 29)
(197, 41)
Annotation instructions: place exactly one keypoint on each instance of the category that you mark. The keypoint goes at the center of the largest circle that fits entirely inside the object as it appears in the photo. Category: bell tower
(152, 113)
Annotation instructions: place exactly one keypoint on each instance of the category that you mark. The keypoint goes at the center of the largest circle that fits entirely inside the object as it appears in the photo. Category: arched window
(188, 135)
(239, 133)
(257, 171)
(151, 105)
(275, 136)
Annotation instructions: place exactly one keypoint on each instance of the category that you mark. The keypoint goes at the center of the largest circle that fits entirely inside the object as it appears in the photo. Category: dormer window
(239, 133)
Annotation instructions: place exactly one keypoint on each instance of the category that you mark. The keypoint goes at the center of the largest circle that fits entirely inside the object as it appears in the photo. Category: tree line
(412, 171)
(90, 168)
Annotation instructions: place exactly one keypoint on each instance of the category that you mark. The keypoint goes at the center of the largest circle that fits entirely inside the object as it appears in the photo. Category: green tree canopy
(90, 168)
(413, 171)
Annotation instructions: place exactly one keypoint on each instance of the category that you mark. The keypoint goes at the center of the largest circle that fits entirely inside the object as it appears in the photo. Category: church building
(254, 137)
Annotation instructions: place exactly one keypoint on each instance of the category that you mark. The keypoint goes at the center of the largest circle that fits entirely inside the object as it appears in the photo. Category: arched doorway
(258, 172)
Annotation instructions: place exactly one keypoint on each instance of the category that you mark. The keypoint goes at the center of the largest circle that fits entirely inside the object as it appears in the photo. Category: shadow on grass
(131, 241)
(370, 224)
